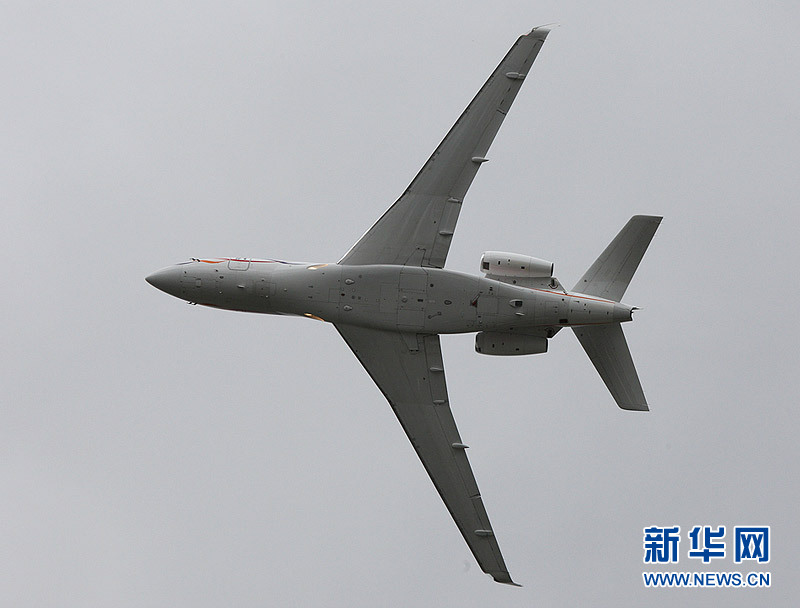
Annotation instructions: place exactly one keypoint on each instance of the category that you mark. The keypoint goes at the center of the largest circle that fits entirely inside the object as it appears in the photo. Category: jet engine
(502, 264)
(506, 343)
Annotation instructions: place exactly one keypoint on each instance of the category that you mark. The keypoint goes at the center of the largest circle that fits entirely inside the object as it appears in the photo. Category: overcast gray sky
(156, 454)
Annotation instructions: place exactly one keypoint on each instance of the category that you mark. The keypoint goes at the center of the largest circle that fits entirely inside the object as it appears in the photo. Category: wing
(408, 369)
(418, 228)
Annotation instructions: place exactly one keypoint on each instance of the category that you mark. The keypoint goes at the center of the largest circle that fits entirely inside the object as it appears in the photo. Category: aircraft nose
(167, 280)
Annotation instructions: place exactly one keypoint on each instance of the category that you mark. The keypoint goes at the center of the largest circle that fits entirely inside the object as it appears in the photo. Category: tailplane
(608, 278)
(608, 350)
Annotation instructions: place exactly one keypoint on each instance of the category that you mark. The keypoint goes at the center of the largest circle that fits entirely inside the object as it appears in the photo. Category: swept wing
(418, 228)
(412, 380)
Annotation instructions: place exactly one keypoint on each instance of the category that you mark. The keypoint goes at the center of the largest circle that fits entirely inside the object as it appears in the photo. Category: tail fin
(609, 276)
(608, 350)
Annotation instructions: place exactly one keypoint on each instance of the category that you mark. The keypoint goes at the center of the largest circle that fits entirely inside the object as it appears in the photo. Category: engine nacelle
(502, 264)
(507, 344)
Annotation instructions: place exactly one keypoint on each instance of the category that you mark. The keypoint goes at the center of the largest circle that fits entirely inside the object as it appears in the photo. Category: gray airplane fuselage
(390, 297)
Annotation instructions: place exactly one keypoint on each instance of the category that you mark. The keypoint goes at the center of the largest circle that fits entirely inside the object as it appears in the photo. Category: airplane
(390, 298)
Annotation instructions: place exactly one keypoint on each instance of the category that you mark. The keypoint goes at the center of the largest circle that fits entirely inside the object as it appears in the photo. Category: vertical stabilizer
(608, 350)
(609, 276)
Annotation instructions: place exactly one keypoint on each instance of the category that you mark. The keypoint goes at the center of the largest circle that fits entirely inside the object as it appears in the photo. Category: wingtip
(505, 579)
(651, 218)
(541, 31)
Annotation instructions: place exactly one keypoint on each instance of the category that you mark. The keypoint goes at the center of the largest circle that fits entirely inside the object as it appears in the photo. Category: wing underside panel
(419, 227)
(414, 384)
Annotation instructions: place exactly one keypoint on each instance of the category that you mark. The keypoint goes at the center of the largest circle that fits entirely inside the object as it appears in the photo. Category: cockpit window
(238, 264)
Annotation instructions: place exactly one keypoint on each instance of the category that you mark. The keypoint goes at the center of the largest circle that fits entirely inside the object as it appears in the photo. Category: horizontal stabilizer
(611, 273)
(608, 350)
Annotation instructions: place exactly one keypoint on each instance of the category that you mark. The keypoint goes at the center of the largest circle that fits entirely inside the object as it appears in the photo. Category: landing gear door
(486, 304)
(412, 293)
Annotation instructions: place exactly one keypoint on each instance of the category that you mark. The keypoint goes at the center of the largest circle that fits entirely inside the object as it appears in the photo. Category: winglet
(544, 29)
(505, 578)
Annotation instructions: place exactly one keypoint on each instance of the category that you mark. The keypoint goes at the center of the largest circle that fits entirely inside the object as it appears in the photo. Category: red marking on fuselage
(220, 260)
(571, 295)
